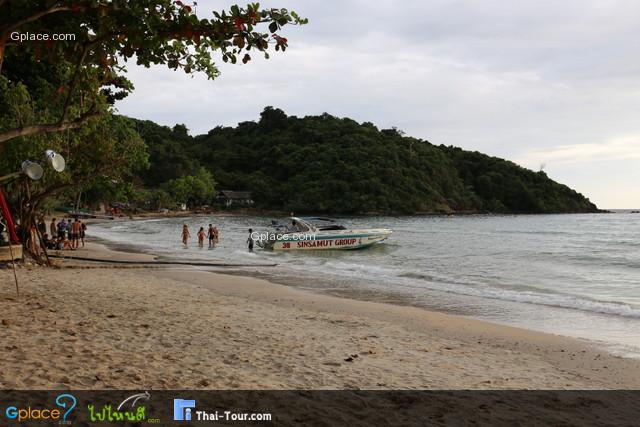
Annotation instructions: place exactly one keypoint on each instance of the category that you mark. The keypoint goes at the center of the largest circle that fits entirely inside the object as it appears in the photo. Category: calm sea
(575, 275)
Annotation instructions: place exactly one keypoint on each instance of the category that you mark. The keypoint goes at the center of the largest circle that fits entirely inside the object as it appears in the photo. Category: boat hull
(356, 239)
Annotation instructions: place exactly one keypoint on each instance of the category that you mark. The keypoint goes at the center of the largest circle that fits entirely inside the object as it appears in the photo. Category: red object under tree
(8, 219)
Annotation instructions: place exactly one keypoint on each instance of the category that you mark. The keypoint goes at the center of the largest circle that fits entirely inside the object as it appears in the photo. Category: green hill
(325, 164)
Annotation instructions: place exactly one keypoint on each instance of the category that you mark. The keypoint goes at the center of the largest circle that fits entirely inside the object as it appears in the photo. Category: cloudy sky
(553, 83)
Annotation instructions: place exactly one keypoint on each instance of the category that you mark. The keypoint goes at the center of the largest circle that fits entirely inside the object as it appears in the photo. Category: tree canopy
(62, 68)
(91, 38)
(325, 164)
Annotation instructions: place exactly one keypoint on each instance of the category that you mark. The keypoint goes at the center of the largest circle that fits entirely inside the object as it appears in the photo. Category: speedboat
(312, 233)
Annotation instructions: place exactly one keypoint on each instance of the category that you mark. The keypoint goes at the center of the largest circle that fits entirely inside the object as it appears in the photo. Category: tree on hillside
(192, 190)
(326, 164)
(98, 34)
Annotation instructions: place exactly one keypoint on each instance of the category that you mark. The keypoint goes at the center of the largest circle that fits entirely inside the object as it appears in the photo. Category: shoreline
(81, 326)
(295, 280)
(267, 213)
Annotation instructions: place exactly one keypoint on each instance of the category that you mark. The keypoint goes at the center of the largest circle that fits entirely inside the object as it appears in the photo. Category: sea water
(575, 275)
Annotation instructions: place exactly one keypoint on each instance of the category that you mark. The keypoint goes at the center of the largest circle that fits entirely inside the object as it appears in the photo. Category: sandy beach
(98, 326)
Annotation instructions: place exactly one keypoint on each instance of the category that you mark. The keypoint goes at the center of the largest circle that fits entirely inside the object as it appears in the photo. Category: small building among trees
(235, 198)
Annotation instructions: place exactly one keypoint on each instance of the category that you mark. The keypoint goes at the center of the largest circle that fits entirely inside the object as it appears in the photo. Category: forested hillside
(325, 164)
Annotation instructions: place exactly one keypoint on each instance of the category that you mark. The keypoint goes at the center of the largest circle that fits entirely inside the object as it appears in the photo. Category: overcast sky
(546, 82)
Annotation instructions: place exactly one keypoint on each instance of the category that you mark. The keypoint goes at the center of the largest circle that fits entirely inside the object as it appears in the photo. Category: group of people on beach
(65, 234)
(212, 234)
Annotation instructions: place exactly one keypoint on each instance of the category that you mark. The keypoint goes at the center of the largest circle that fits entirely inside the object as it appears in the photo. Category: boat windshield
(303, 225)
(299, 225)
(316, 223)
(331, 227)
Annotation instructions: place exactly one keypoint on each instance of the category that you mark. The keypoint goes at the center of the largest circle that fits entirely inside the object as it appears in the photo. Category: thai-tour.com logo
(185, 410)
(59, 414)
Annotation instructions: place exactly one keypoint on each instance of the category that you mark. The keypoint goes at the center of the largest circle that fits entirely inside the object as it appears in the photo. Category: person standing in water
(212, 236)
(185, 235)
(75, 234)
(250, 240)
(83, 232)
(201, 235)
(215, 235)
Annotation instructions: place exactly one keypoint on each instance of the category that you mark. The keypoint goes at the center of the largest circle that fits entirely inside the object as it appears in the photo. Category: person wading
(185, 235)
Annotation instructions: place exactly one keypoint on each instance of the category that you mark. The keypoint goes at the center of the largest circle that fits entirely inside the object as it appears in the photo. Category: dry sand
(99, 327)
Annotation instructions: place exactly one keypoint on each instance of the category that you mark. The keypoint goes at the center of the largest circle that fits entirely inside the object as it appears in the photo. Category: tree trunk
(31, 243)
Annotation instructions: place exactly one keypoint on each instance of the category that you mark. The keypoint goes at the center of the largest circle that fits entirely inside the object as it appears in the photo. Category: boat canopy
(315, 218)
(307, 224)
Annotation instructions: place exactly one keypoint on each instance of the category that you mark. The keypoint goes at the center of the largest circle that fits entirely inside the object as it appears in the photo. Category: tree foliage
(98, 35)
(333, 165)
(105, 151)
(192, 190)
(61, 70)
(503, 186)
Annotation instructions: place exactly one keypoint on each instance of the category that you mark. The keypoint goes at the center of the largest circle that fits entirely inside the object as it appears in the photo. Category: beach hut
(238, 198)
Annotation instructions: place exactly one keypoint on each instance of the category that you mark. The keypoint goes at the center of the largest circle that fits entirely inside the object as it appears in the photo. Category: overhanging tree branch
(48, 128)
(34, 17)
(37, 199)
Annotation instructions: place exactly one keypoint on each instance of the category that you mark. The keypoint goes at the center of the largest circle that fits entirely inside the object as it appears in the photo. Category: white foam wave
(527, 296)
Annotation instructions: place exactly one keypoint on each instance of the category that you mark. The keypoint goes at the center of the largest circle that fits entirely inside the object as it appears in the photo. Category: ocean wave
(419, 283)
(360, 268)
(526, 296)
(570, 302)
